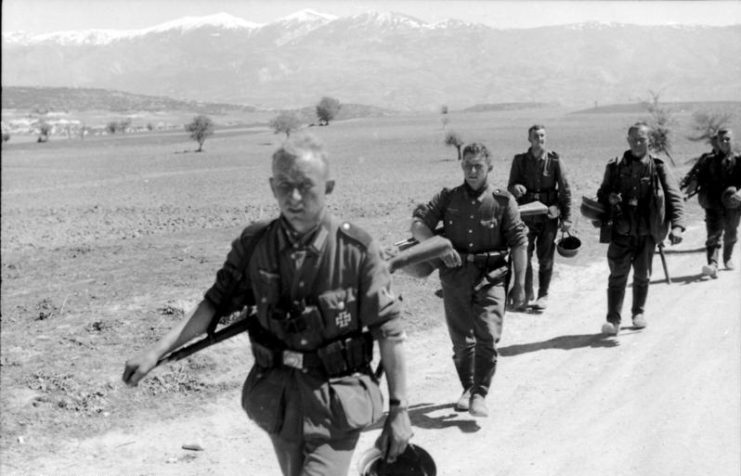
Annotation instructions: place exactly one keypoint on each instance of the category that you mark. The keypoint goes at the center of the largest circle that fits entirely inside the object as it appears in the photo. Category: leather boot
(464, 368)
(615, 298)
(640, 293)
(529, 287)
(483, 374)
(544, 281)
(712, 255)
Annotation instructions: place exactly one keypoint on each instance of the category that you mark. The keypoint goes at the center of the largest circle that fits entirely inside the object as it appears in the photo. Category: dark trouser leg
(619, 257)
(546, 251)
(459, 319)
(730, 233)
(529, 284)
(714, 229)
(642, 268)
(488, 307)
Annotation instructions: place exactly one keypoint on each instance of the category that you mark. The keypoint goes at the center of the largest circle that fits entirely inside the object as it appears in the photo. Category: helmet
(414, 461)
(731, 198)
(591, 208)
(569, 246)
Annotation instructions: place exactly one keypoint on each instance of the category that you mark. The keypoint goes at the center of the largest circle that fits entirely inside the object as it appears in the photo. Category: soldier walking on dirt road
(539, 175)
(322, 295)
(716, 177)
(643, 200)
(481, 222)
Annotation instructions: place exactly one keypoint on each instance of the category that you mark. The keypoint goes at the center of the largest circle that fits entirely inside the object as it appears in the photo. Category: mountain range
(388, 60)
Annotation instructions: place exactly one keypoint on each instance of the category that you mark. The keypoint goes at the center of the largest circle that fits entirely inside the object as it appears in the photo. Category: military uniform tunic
(715, 173)
(650, 202)
(546, 181)
(475, 222)
(336, 269)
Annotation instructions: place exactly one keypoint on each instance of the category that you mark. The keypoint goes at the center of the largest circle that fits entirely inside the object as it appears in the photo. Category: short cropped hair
(639, 125)
(535, 127)
(476, 149)
(301, 145)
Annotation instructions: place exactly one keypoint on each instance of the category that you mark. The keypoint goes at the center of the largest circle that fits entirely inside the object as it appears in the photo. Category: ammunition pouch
(487, 261)
(493, 265)
(339, 358)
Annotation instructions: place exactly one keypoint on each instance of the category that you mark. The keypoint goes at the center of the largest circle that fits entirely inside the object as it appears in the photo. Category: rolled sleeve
(432, 212)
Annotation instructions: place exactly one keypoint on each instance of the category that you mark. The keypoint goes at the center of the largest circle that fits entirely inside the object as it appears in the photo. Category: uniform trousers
(541, 241)
(721, 223)
(474, 313)
(315, 457)
(624, 252)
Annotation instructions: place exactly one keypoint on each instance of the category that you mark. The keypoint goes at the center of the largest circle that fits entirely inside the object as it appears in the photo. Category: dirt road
(567, 401)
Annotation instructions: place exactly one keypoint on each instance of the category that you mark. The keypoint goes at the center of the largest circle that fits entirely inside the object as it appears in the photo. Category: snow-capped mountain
(385, 59)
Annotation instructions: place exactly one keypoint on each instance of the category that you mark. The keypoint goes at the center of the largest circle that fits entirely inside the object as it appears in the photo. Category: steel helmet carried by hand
(414, 461)
(592, 209)
(568, 246)
(731, 198)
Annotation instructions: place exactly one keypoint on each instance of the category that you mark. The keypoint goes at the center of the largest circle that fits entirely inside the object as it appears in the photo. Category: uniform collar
(628, 158)
(535, 157)
(477, 194)
(313, 240)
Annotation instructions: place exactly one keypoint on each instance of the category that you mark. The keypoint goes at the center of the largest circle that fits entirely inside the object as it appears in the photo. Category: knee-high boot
(615, 298)
(464, 367)
(640, 293)
(484, 372)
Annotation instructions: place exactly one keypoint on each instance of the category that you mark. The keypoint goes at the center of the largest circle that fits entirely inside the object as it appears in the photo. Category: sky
(46, 16)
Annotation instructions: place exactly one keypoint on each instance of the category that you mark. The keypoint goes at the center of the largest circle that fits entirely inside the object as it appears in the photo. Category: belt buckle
(293, 359)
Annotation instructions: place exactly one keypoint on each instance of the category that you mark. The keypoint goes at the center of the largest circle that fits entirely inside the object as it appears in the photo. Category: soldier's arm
(516, 185)
(398, 428)
(564, 192)
(188, 329)
(673, 197)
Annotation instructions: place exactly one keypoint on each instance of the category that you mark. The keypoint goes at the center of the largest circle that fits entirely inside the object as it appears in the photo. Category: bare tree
(285, 122)
(453, 139)
(327, 110)
(200, 128)
(662, 119)
(705, 125)
(44, 131)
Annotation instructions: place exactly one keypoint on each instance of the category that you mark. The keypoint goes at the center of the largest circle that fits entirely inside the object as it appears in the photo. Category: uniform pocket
(339, 312)
(263, 398)
(356, 401)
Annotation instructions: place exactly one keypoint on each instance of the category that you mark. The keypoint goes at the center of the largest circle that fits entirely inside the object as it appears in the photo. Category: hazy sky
(44, 16)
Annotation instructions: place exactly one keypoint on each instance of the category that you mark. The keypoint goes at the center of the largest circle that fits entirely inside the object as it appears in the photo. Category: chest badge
(343, 319)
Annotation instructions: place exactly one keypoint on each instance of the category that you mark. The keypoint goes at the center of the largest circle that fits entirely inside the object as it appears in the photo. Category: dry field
(109, 241)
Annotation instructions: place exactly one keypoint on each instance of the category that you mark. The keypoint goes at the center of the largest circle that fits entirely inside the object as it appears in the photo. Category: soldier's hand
(567, 227)
(397, 431)
(675, 236)
(615, 198)
(518, 190)
(138, 366)
(452, 259)
(518, 298)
